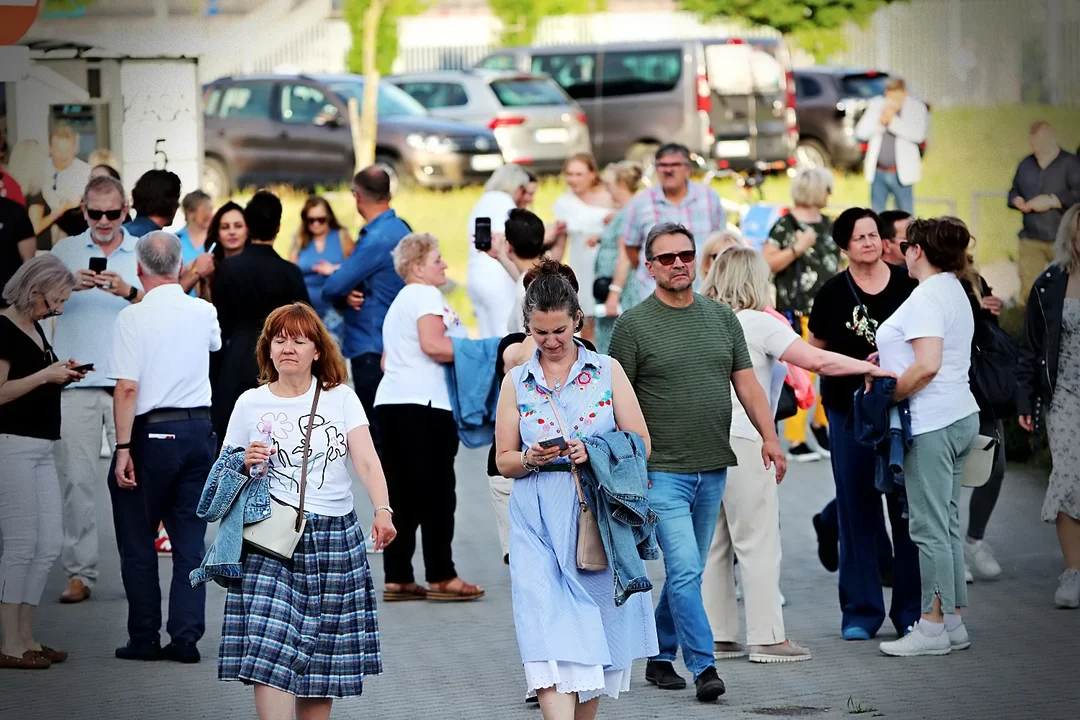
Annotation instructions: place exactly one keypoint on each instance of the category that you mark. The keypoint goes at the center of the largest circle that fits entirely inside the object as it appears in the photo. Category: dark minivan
(294, 129)
(831, 101)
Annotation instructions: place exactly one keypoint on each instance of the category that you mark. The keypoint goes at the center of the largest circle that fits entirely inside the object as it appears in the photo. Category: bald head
(159, 255)
(374, 183)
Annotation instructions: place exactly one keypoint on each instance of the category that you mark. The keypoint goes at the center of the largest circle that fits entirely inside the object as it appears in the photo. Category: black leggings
(419, 445)
(984, 498)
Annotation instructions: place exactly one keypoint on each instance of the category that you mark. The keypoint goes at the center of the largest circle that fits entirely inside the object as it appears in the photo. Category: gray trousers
(29, 517)
(83, 412)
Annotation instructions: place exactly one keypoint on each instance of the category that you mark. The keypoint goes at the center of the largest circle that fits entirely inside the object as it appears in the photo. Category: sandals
(408, 592)
(463, 591)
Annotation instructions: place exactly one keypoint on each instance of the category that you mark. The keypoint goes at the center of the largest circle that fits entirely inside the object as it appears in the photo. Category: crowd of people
(220, 373)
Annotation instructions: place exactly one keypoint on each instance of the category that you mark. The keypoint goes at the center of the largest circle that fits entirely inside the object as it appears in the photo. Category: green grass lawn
(971, 150)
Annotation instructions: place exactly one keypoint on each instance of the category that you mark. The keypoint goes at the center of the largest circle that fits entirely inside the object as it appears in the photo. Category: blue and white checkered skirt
(305, 626)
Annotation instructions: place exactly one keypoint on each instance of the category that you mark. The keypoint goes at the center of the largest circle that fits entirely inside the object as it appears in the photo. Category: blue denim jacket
(886, 427)
(615, 482)
(474, 390)
(234, 500)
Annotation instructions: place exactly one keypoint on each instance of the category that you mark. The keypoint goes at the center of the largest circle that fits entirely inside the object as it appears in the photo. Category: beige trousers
(749, 526)
(500, 499)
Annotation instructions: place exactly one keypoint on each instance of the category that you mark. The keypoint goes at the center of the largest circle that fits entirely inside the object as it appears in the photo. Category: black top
(832, 320)
(14, 228)
(1060, 178)
(37, 413)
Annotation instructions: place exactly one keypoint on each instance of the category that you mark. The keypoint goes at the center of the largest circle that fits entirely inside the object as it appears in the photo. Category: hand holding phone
(554, 442)
(88, 367)
(482, 234)
(98, 264)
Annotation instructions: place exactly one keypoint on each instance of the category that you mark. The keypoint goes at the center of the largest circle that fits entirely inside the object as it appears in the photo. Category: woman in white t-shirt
(420, 439)
(927, 342)
(749, 522)
(271, 611)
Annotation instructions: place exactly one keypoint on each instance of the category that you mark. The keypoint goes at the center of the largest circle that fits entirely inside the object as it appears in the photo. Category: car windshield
(527, 92)
(863, 86)
(393, 101)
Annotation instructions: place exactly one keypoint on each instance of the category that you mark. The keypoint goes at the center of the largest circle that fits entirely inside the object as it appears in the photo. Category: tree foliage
(521, 18)
(387, 39)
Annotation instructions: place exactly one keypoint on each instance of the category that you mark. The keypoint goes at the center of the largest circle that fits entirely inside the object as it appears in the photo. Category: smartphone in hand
(482, 234)
(554, 442)
(98, 264)
(88, 367)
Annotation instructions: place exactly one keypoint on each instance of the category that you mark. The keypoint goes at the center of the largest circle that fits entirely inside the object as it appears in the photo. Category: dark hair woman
(320, 247)
(227, 236)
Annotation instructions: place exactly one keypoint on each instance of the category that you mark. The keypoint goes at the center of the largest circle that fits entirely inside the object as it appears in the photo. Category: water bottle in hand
(258, 470)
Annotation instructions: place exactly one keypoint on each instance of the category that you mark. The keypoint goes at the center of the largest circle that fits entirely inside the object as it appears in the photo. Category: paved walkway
(461, 661)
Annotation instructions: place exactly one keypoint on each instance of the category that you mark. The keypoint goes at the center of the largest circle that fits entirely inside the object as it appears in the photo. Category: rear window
(526, 92)
(498, 62)
(640, 72)
(863, 86)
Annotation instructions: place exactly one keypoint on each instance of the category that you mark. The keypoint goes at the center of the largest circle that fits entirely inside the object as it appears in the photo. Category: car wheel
(393, 167)
(215, 179)
(811, 153)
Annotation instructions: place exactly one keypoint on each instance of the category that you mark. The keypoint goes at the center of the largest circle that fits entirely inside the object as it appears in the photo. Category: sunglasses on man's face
(316, 219)
(668, 259)
(110, 214)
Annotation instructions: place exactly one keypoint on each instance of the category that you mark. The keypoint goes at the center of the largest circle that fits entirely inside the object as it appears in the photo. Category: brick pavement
(462, 662)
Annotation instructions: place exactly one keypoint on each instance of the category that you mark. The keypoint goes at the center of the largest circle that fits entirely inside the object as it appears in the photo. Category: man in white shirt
(84, 331)
(65, 177)
(893, 126)
(164, 451)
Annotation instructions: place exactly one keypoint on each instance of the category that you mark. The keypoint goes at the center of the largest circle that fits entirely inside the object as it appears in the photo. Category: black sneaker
(662, 674)
(802, 453)
(181, 652)
(821, 434)
(709, 685)
(147, 652)
(828, 543)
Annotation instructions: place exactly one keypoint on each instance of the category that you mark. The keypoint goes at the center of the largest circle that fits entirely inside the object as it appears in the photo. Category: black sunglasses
(314, 220)
(111, 214)
(905, 246)
(668, 259)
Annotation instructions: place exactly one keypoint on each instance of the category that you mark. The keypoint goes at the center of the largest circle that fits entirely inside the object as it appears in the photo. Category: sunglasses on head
(98, 214)
(668, 259)
(316, 220)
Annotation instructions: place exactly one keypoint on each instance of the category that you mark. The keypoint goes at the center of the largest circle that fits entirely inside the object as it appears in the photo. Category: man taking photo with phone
(103, 261)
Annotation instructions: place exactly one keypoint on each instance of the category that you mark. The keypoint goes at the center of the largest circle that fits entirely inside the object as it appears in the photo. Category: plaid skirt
(305, 626)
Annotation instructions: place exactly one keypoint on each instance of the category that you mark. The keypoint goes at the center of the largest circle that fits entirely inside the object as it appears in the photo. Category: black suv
(830, 101)
(265, 129)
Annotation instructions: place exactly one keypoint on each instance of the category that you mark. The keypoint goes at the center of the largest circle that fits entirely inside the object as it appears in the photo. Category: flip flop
(405, 594)
(463, 593)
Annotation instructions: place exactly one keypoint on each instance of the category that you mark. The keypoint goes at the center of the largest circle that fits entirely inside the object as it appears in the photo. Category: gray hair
(740, 278)
(36, 278)
(1065, 254)
(159, 254)
(104, 184)
(507, 179)
(811, 187)
(412, 249)
(666, 228)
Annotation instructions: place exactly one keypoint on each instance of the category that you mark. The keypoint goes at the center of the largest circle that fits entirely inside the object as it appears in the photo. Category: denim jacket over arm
(474, 389)
(233, 500)
(880, 423)
(615, 482)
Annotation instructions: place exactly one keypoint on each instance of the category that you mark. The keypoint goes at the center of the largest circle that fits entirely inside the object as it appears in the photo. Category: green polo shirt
(680, 362)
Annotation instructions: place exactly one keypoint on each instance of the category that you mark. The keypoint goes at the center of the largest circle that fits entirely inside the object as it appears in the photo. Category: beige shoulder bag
(279, 534)
(590, 546)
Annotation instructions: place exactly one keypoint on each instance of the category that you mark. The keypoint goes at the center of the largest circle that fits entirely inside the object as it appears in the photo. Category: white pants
(500, 498)
(83, 413)
(749, 527)
(29, 517)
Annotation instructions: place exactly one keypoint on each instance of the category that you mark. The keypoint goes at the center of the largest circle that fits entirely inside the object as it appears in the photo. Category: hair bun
(549, 268)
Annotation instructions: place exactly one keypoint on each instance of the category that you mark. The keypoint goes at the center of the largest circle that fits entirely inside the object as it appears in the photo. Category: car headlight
(430, 143)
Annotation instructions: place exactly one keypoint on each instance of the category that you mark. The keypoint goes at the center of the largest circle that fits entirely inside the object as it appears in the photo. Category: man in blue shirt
(367, 283)
(155, 198)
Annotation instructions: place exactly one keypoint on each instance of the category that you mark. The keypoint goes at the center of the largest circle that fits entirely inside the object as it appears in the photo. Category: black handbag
(600, 288)
(788, 406)
(994, 359)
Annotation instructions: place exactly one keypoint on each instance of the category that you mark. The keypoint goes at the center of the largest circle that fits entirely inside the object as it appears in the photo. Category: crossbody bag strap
(307, 452)
(573, 467)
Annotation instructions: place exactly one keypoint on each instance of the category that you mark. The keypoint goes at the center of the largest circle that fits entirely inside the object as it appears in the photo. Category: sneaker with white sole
(821, 434)
(785, 652)
(728, 650)
(916, 643)
(783, 600)
(1068, 592)
(802, 453)
(980, 559)
(958, 638)
(968, 577)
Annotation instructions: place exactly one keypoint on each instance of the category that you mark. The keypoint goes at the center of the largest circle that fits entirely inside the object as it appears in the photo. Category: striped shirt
(680, 362)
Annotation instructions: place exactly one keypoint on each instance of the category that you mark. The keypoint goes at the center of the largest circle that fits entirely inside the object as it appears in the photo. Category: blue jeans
(887, 183)
(688, 505)
(858, 505)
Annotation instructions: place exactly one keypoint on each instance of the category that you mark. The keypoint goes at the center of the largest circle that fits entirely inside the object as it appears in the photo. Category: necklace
(555, 374)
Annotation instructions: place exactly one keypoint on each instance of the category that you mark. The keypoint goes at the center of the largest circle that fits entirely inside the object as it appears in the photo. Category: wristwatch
(133, 294)
(387, 508)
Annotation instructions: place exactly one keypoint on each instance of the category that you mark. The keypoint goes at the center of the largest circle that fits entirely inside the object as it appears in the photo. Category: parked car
(830, 102)
(534, 120)
(726, 99)
(264, 129)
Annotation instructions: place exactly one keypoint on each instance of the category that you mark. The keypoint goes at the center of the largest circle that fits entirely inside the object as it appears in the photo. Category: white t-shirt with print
(413, 378)
(767, 339)
(329, 485)
(937, 308)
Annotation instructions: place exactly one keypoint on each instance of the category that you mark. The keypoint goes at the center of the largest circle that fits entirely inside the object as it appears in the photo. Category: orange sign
(16, 17)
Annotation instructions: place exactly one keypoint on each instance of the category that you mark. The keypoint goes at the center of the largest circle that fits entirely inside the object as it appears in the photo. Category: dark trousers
(984, 498)
(419, 447)
(830, 516)
(858, 505)
(367, 374)
(172, 460)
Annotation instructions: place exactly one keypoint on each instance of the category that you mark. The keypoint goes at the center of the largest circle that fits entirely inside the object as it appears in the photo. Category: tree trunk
(364, 140)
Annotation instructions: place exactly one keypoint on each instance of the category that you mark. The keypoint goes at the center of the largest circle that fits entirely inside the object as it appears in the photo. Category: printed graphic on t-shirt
(328, 443)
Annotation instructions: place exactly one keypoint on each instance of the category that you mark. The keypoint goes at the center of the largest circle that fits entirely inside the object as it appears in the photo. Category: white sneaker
(916, 642)
(1068, 592)
(977, 555)
(958, 638)
(783, 600)
(968, 577)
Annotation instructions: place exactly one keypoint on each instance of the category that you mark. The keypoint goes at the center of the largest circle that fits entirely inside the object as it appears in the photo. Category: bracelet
(122, 446)
(525, 462)
(614, 288)
(387, 508)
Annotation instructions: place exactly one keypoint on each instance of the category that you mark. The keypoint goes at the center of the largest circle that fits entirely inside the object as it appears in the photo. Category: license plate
(553, 135)
(732, 148)
(484, 163)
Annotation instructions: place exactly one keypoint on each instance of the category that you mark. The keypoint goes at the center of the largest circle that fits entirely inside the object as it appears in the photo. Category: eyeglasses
(668, 259)
(110, 214)
(316, 220)
(905, 246)
(670, 166)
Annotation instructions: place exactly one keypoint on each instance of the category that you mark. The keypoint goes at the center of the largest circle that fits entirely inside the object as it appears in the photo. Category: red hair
(299, 320)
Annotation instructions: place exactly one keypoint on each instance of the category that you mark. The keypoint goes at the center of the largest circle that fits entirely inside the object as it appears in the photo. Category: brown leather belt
(889, 168)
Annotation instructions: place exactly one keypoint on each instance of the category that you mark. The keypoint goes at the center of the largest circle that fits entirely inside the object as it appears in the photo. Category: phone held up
(554, 442)
(98, 264)
(482, 234)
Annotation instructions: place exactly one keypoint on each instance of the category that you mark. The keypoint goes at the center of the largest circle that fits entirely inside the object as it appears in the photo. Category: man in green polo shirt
(683, 353)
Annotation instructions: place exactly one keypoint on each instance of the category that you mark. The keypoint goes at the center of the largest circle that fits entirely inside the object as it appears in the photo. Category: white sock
(932, 629)
(953, 621)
